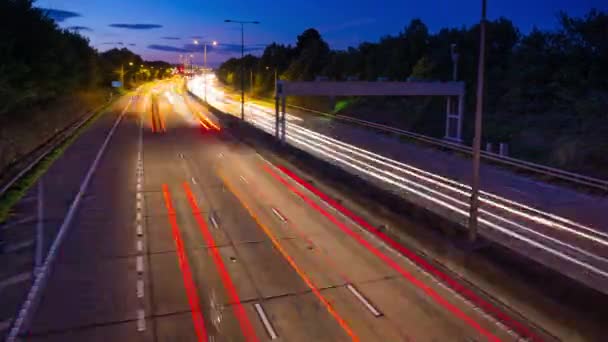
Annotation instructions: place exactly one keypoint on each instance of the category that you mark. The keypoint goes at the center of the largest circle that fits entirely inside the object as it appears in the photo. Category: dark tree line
(40, 62)
(546, 91)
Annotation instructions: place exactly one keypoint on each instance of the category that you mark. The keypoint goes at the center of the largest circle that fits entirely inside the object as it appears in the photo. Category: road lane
(227, 250)
(227, 154)
(558, 242)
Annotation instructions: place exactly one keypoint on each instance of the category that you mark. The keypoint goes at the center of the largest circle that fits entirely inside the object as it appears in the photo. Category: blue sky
(152, 27)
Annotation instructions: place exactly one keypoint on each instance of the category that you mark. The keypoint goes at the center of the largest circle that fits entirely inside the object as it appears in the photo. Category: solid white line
(364, 300)
(140, 245)
(139, 264)
(41, 276)
(278, 214)
(141, 320)
(269, 329)
(39, 226)
(140, 288)
(16, 279)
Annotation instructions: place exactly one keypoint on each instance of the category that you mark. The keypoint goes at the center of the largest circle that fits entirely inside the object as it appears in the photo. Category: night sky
(164, 29)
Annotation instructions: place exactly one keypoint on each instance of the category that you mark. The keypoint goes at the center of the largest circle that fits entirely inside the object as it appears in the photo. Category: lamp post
(213, 43)
(474, 206)
(242, 60)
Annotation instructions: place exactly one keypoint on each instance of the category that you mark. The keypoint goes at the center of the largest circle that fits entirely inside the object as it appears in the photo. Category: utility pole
(251, 81)
(214, 43)
(242, 60)
(474, 207)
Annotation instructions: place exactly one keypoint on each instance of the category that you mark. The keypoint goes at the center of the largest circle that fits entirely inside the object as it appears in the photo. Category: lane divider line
(278, 214)
(390, 262)
(139, 264)
(140, 288)
(420, 262)
(364, 300)
(141, 320)
(31, 302)
(343, 324)
(214, 221)
(140, 245)
(269, 328)
(184, 265)
(231, 291)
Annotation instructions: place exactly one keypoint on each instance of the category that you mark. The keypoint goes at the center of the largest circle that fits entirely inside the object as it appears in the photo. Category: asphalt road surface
(558, 227)
(185, 234)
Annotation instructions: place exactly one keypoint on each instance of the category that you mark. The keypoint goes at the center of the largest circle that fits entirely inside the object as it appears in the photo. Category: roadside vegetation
(51, 77)
(546, 90)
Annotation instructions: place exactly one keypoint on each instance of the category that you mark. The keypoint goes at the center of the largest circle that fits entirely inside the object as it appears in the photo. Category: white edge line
(364, 300)
(258, 308)
(39, 281)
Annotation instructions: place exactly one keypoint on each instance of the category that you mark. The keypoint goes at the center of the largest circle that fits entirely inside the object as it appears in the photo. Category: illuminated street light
(214, 43)
(242, 60)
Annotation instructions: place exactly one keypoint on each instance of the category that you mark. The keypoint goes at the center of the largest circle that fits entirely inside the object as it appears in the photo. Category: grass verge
(21, 186)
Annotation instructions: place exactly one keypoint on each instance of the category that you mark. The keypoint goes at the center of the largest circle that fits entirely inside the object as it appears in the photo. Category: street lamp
(242, 60)
(214, 43)
(474, 206)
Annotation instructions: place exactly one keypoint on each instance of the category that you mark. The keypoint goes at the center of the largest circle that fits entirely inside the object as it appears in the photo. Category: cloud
(197, 37)
(170, 38)
(79, 28)
(136, 26)
(167, 48)
(59, 15)
(222, 49)
(112, 43)
(132, 44)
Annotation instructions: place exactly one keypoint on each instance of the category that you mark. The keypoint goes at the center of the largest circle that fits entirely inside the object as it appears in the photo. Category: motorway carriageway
(186, 234)
(569, 247)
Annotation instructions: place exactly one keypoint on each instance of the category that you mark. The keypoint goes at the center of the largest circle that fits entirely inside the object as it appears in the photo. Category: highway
(183, 234)
(526, 222)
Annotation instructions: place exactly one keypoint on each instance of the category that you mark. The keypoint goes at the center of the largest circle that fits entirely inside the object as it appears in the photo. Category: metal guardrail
(564, 175)
(62, 137)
